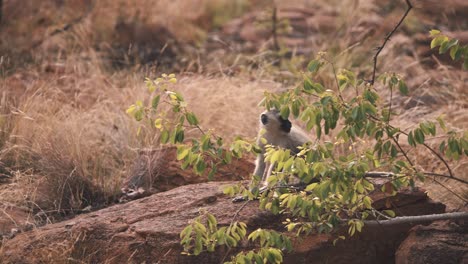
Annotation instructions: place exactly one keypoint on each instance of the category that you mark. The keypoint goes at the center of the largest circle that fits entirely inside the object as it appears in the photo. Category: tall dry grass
(71, 129)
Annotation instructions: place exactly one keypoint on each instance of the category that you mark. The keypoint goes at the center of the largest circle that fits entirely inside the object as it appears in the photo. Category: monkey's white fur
(278, 132)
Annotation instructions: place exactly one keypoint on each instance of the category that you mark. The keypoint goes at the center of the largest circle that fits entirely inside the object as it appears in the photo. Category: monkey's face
(273, 122)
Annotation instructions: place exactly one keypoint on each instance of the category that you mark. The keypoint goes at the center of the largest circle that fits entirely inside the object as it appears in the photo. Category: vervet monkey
(277, 132)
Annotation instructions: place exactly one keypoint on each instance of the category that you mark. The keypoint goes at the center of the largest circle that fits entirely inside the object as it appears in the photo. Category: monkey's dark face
(272, 121)
(264, 119)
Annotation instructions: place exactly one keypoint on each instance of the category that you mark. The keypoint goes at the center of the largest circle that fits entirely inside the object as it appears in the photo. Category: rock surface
(147, 231)
(158, 170)
(440, 242)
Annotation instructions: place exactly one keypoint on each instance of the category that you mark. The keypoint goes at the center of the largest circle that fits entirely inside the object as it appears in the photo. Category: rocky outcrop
(296, 27)
(440, 242)
(158, 170)
(147, 231)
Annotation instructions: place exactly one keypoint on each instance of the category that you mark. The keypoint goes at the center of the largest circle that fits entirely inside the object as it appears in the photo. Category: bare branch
(418, 219)
(387, 38)
(445, 176)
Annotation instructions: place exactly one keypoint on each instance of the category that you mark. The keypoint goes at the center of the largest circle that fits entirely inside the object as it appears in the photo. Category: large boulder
(440, 242)
(147, 231)
(158, 170)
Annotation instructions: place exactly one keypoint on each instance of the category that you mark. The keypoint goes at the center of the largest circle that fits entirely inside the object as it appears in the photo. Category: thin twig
(390, 106)
(450, 190)
(445, 176)
(336, 79)
(387, 38)
(403, 152)
(440, 158)
(238, 211)
(379, 213)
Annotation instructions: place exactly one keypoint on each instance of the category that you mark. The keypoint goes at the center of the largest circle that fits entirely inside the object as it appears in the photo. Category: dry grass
(67, 143)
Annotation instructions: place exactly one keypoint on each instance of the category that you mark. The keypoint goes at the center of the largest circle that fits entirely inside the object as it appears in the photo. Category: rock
(295, 27)
(12, 218)
(147, 231)
(440, 242)
(158, 170)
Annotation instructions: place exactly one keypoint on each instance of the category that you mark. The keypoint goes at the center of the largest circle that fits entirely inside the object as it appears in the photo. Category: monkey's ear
(285, 125)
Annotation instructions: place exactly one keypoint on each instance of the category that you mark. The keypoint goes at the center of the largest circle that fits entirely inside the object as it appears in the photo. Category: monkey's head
(272, 121)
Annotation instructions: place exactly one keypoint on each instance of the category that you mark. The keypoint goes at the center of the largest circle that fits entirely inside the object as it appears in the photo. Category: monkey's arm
(260, 165)
(267, 172)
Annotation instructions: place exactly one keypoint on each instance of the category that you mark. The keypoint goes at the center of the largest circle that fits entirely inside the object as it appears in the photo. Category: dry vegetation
(66, 142)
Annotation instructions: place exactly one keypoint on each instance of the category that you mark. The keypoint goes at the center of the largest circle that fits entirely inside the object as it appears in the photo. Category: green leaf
(212, 222)
(198, 245)
(318, 87)
(200, 166)
(402, 87)
(367, 202)
(442, 147)
(158, 123)
(389, 213)
(186, 232)
(308, 84)
(131, 109)
(295, 108)
(182, 152)
(179, 137)
(155, 102)
(454, 54)
(419, 136)
(352, 228)
(139, 114)
(359, 225)
(192, 119)
(437, 41)
(440, 119)
(447, 45)
(284, 112)
(164, 138)
(314, 66)
(359, 188)
(277, 256)
(311, 186)
(434, 32)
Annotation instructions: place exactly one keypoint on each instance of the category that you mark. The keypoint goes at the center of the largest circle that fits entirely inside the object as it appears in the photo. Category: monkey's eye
(264, 119)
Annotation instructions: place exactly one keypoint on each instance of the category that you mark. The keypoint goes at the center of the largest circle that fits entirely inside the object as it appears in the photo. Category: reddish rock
(12, 219)
(255, 27)
(158, 170)
(147, 230)
(441, 242)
